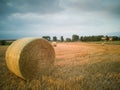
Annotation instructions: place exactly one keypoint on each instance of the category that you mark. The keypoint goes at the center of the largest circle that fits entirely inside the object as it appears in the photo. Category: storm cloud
(29, 6)
(106, 6)
(58, 17)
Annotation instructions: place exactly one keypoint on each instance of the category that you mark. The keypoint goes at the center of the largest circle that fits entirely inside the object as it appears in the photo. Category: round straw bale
(30, 58)
(54, 44)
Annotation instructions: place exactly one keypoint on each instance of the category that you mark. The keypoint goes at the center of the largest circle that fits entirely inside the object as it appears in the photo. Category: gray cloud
(8, 7)
(20, 18)
(106, 6)
(5, 9)
(29, 6)
(36, 6)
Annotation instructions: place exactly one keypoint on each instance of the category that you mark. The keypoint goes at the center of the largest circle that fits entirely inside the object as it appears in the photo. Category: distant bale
(110, 38)
(30, 58)
(103, 43)
(103, 38)
(54, 44)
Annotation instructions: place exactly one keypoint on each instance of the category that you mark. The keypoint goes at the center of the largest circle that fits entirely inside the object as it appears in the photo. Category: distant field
(107, 42)
(78, 66)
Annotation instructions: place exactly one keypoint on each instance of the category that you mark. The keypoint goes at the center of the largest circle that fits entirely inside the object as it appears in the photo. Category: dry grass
(78, 66)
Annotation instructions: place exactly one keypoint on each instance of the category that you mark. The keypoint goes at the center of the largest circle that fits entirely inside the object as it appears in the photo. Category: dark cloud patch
(115, 9)
(5, 9)
(8, 7)
(103, 6)
(36, 6)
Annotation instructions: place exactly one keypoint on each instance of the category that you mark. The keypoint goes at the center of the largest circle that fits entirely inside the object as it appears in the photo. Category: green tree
(99, 37)
(115, 38)
(62, 39)
(3, 42)
(75, 37)
(47, 38)
(68, 40)
(107, 38)
(91, 38)
(54, 38)
(81, 38)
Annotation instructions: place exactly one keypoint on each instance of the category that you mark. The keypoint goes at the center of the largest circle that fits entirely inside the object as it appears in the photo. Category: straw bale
(30, 58)
(54, 44)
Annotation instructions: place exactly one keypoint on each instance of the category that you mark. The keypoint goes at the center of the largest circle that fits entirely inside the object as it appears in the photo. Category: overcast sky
(36, 18)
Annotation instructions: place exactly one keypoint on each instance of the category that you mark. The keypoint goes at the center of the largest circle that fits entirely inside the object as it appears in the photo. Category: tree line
(82, 38)
(74, 38)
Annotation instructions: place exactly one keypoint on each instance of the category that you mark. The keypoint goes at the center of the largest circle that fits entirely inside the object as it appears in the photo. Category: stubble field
(78, 66)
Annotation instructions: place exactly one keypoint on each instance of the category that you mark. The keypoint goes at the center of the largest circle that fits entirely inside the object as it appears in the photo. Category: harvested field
(78, 66)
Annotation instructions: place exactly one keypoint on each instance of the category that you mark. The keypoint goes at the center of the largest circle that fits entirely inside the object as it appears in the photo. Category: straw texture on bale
(30, 58)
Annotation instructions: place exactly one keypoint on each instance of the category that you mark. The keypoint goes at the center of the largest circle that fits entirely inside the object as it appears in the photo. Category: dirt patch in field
(81, 53)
